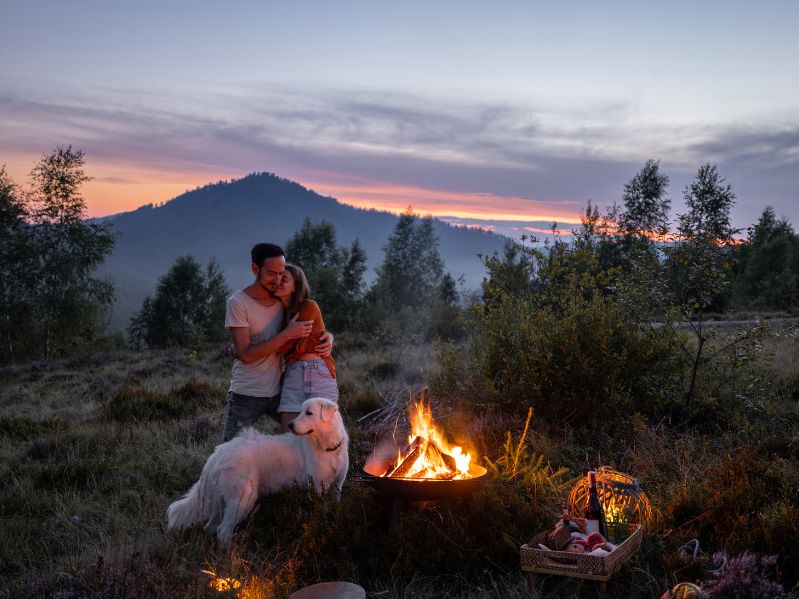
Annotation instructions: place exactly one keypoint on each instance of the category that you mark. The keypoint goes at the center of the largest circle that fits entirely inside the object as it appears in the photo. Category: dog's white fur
(252, 464)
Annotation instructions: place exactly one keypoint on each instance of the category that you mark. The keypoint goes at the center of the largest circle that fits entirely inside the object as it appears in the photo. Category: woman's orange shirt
(294, 349)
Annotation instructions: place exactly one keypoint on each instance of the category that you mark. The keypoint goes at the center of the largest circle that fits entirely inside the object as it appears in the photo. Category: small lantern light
(621, 496)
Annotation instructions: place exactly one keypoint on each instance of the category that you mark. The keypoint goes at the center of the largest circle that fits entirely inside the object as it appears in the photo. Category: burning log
(428, 455)
(413, 451)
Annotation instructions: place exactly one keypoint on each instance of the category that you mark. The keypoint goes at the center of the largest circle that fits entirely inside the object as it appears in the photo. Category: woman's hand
(297, 329)
(325, 347)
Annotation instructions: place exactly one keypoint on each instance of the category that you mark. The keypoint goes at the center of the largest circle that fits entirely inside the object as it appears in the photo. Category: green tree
(646, 206)
(52, 253)
(17, 268)
(335, 273)
(768, 276)
(699, 266)
(188, 308)
(709, 202)
(412, 294)
(511, 273)
(412, 269)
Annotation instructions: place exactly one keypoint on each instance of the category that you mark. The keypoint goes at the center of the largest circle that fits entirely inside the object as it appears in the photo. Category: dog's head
(317, 414)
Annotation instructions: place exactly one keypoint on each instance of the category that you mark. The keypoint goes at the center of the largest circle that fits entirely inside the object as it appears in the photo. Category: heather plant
(746, 576)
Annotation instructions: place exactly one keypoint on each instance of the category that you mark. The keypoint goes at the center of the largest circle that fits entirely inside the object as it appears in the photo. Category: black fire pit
(404, 490)
(424, 489)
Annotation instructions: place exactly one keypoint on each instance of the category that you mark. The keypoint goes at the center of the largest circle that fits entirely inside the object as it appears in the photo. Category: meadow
(94, 447)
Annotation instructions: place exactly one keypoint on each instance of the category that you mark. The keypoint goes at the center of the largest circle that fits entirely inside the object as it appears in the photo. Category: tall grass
(94, 448)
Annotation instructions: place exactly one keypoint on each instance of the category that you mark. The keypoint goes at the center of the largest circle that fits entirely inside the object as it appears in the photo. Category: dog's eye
(308, 413)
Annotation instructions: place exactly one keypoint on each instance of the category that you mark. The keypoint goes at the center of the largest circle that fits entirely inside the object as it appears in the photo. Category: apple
(595, 538)
(575, 548)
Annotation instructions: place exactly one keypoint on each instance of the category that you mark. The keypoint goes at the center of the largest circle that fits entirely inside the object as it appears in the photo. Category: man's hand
(325, 347)
(297, 329)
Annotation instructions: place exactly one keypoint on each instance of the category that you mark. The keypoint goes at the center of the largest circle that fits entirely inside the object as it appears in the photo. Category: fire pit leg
(397, 507)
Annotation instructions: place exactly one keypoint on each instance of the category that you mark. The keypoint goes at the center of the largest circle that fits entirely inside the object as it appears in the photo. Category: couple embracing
(273, 321)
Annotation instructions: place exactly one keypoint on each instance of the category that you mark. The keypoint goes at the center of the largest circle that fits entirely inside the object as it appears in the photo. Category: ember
(428, 455)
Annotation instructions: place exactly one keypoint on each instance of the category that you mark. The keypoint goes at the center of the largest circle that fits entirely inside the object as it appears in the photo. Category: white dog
(253, 464)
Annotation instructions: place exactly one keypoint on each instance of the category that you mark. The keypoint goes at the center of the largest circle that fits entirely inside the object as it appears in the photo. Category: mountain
(226, 219)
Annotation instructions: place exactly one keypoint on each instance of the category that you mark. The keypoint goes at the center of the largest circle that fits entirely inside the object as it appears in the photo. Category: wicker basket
(618, 490)
(579, 565)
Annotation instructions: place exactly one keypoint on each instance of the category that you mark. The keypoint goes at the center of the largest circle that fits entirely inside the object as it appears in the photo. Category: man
(255, 319)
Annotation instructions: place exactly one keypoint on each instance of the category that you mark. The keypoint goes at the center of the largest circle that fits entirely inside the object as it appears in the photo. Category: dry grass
(91, 453)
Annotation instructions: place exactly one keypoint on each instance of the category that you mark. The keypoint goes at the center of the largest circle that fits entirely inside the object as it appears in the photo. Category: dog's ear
(328, 409)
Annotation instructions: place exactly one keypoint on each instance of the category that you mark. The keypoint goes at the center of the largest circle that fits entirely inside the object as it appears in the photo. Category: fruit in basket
(604, 546)
(595, 539)
(575, 548)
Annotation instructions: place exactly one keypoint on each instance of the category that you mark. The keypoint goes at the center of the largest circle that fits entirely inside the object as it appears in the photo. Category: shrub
(570, 342)
(747, 501)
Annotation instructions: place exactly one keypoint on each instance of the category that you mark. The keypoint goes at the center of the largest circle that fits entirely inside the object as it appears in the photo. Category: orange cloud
(442, 203)
(119, 187)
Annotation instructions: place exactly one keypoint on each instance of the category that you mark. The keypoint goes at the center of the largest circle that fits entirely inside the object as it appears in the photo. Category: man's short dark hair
(262, 251)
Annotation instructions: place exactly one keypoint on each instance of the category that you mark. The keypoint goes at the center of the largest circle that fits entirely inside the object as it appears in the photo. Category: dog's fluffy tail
(194, 507)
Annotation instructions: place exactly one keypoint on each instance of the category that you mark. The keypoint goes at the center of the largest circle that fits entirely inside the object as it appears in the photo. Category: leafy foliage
(334, 273)
(768, 265)
(646, 207)
(412, 294)
(51, 301)
(568, 339)
(188, 307)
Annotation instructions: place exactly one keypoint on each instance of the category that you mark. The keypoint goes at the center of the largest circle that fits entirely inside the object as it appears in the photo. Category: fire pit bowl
(423, 489)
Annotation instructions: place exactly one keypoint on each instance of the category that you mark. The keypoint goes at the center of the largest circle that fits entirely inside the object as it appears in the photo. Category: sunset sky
(507, 115)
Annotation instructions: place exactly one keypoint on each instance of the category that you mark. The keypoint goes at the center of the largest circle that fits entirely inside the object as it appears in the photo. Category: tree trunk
(697, 360)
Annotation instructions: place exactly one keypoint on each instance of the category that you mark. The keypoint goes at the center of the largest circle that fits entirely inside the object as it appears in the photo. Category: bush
(570, 342)
(747, 501)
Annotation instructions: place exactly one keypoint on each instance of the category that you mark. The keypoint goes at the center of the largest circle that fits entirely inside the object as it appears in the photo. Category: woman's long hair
(301, 292)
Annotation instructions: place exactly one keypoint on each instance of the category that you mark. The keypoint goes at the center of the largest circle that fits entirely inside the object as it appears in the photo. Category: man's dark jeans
(243, 410)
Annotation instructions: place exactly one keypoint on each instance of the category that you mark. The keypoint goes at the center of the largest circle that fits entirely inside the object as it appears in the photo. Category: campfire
(428, 455)
(428, 467)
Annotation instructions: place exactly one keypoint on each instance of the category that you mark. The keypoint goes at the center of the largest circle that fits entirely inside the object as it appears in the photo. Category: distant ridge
(225, 219)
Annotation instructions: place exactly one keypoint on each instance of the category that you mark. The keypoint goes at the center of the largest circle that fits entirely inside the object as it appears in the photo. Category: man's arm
(325, 346)
(249, 352)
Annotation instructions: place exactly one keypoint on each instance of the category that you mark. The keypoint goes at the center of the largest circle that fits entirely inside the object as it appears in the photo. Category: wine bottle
(594, 514)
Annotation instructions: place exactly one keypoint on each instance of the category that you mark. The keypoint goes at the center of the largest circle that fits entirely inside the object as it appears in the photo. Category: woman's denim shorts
(305, 379)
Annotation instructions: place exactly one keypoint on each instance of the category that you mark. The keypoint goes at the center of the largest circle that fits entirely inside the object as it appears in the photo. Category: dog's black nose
(291, 426)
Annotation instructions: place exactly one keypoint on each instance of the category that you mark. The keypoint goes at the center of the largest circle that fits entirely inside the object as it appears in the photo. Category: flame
(254, 588)
(435, 458)
(218, 583)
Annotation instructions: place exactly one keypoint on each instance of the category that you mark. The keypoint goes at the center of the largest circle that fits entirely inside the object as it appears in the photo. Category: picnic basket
(538, 561)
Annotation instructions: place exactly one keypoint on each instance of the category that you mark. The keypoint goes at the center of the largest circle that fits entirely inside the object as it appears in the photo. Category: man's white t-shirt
(262, 377)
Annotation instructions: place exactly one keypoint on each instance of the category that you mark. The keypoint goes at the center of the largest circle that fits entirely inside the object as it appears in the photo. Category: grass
(94, 448)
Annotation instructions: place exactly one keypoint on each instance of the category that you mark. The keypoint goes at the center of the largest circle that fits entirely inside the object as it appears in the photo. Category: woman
(307, 374)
